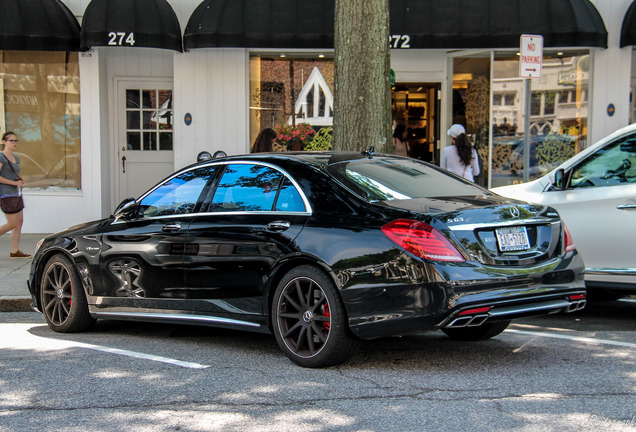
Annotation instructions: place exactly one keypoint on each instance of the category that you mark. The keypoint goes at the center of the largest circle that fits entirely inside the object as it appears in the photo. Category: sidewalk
(14, 294)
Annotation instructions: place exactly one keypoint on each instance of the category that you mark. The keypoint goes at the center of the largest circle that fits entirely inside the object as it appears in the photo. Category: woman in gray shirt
(10, 182)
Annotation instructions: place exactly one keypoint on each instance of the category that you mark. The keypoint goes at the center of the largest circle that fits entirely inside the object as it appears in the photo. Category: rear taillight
(568, 242)
(421, 240)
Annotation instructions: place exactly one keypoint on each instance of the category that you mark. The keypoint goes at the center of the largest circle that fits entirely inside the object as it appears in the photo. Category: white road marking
(592, 341)
(17, 336)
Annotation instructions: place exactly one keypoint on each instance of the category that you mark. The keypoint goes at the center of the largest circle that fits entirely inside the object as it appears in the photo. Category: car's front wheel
(484, 331)
(309, 319)
(62, 297)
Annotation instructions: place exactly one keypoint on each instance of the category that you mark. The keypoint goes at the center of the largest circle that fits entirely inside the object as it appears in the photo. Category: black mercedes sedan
(322, 249)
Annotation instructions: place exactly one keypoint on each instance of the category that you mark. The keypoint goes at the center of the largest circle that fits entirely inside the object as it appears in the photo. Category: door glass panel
(246, 188)
(150, 141)
(132, 120)
(132, 98)
(289, 199)
(614, 164)
(178, 195)
(134, 140)
(147, 122)
(165, 140)
(152, 118)
(148, 97)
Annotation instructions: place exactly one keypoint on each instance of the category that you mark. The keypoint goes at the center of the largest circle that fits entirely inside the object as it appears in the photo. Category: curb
(15, 305)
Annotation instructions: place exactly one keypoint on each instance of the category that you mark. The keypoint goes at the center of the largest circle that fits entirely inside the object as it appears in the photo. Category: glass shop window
(558, 117)
(41, 104)
(294, 96)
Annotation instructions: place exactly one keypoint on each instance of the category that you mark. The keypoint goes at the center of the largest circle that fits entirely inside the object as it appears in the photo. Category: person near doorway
(460, 158)
(399, 141)
(264, 141)
(11, 182)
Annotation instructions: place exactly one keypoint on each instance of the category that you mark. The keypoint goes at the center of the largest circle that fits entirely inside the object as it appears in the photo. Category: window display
(40, 91)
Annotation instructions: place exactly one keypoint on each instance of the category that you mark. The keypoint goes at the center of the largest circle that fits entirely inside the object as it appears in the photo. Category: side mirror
(559, 179)
(126, 208)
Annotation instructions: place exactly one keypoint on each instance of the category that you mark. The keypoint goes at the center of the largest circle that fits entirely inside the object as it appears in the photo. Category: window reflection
(41, 103)
(178, 195)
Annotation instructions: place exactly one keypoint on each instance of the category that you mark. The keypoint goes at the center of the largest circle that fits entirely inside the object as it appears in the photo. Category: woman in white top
(460, 158)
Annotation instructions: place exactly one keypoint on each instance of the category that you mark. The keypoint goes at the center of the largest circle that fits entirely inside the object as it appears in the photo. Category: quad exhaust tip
(477, 316)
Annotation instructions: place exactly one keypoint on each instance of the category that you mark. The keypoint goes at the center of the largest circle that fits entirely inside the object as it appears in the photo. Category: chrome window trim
(308, 209)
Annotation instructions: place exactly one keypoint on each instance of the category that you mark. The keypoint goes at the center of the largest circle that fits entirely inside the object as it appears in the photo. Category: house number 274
(121, 38)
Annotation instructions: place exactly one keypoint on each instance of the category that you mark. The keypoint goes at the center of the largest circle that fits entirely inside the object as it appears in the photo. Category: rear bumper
(405, 310)
(478, 314)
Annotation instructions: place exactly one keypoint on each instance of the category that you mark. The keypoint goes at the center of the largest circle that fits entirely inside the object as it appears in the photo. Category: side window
(246, 187)
(179, 195)
(289, 199)
(613, 164)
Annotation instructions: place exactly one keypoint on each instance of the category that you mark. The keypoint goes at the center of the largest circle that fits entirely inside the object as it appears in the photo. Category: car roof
(321, 158)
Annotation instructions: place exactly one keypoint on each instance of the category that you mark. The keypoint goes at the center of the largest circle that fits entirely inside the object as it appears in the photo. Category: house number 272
(121, 38)
(400, 41)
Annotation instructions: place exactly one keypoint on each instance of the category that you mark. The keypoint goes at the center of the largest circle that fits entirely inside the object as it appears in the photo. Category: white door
(144, 136)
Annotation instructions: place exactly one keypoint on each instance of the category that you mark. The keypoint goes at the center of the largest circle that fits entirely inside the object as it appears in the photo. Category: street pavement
(14, 272)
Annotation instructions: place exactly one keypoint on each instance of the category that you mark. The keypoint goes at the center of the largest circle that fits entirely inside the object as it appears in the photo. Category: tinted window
(289, 199)
(178, 195)
(611, 165)
(246, 187)
(385, 179)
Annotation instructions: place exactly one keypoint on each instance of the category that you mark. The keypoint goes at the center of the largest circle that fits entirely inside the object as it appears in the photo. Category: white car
(595, 193)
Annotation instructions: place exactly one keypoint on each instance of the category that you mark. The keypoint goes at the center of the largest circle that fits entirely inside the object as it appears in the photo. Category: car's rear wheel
(484, 331)
(309, 319)
(62, 297)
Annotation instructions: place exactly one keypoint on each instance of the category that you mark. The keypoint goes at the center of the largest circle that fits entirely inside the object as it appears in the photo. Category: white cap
(456, 130)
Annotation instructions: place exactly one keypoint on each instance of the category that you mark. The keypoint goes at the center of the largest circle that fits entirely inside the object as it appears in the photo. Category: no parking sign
(531, 56)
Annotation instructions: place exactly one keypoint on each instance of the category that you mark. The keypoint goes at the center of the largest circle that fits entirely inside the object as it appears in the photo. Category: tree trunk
(362, 102)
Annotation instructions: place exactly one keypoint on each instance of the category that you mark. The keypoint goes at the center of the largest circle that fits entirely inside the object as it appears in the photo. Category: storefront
(145, 85)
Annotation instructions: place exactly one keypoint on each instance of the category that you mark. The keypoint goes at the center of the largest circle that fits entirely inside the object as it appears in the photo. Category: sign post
(530, 62)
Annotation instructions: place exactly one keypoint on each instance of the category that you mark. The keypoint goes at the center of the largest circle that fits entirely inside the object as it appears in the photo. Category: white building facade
(137, 113)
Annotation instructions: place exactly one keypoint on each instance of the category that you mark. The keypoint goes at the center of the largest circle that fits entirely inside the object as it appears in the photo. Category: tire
(62, 297)
(484, 331)
(309, 319)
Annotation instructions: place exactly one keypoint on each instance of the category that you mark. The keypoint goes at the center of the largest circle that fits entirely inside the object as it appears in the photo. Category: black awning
(497, 23)
(261, 24)
(131, 23)
(38, 25)
(628, 31)
(420, 23)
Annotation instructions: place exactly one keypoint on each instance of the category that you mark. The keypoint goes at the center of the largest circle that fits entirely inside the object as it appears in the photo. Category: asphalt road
(573, 372)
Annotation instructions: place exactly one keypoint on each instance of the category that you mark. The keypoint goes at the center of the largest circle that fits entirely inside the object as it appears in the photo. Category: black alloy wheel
(310, 321)
(62, 297)
(484, 331)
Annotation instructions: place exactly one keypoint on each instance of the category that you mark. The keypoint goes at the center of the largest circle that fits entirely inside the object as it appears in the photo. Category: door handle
(173, 227)
(626, 207)
(123, 163)
(278, 226)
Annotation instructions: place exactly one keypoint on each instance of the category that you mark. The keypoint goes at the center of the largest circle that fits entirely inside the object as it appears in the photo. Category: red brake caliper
(325, 312)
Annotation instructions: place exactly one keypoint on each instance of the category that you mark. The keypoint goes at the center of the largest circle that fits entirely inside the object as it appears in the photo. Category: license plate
(512, 239)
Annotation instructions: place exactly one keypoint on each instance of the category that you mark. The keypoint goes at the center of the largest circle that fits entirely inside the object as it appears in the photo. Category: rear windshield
(387, 179)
